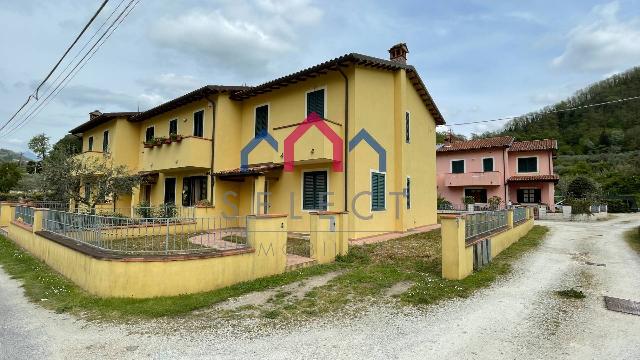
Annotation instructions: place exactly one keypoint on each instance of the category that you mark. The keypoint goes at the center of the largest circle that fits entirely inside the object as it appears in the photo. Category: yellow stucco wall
(144, 279)
(6, 213)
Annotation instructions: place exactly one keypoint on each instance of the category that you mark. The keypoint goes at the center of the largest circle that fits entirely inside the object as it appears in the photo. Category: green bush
(468, 200)
(580, 206)
(144, 210)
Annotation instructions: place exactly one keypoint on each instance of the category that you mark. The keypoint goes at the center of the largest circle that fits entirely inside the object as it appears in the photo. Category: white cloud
(83, 96)
(170, 84)
(238, 36)
(604, 43)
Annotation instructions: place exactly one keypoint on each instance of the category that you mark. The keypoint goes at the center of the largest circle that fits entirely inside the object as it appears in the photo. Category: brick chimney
(398, 53)
(94, 114)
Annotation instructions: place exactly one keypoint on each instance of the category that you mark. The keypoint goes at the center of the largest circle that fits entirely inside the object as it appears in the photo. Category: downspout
(504, 176)
(346, 138)
(213, 145)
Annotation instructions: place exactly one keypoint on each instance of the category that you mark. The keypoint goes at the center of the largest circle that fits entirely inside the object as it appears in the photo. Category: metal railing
(55, 205)
(596, 209)
(482, 223)
(24, 214)
(519, 214)
(452, 207)
(149, 236)
(141, 212)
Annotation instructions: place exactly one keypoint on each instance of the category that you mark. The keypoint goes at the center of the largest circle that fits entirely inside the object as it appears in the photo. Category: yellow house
(353, 134)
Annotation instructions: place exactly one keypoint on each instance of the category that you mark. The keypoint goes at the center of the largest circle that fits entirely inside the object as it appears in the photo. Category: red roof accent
(549, 178)
(501, 141)
(534, 145)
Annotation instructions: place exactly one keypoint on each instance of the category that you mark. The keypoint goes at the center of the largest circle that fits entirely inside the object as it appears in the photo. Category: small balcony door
(479, 195)
(170, 190)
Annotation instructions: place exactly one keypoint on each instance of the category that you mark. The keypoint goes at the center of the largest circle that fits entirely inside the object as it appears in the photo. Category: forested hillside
(608, 128)
(601, 142)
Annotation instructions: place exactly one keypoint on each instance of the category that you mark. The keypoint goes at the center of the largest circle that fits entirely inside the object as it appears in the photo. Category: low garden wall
(460, 255)
(107, 275)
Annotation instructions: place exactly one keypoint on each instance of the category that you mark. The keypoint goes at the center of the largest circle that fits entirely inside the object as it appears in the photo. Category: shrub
(444, 203)
(203, 203)
(580, 206)
(468, 200)
(144, 210)
(582, 187)
(618, 206)
(494, 202)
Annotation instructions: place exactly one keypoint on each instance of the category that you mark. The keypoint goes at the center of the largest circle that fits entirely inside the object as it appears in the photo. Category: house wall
(545, 162)
(473, 164)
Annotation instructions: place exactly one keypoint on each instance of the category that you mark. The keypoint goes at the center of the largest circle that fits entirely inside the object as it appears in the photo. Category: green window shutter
(377, 191)
(262, 120)
(408, 193)
(487, 164)
(105, 141)
(315, 102)
(149, 134)
(314, 188)
(529, 164)
(173, 127)
(457, 166)
(407, 126)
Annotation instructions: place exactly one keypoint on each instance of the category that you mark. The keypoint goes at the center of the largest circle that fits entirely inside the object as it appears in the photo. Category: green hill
(10, 156)
(602, 142)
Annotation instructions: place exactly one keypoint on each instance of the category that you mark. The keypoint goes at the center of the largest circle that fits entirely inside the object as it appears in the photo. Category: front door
(170, 190)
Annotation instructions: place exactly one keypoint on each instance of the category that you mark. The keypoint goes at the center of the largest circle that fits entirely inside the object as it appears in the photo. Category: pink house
(516, 171)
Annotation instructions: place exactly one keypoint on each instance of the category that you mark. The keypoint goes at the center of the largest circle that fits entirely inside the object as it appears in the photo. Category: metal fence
(596, 209)
(452, 207)
(55, 205)
(519, 214)
(24, 214)
(142, 212)
(149, 236)
(483, 223)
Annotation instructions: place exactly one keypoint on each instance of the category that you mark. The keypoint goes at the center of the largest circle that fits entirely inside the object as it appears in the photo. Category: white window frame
(268, 105)
(493, 163)
(193, 122)
(407, 129)
(145, 132)
(528, 172)
(371, 171)
(323, 87)
(464, 165)
(326, 169)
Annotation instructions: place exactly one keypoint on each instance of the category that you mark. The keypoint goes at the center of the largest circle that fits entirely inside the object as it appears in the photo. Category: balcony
(310, 148)
(94, 158)
(189, 153)
(489, 178)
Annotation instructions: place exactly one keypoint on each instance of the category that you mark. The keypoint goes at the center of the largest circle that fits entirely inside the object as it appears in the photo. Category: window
(169, 190)
(173, 127)
(408, 193)
(487, 164)
(198, 123)
(457, 166)
(315, 102)
(407, 127)
(105, 141)
(149, 134)
(261, 120)
(194, 189)
(314, 190)
(528, 195)
(479, 195)
(146, 193)
(377, 191)
(528, 164)
(90, 146)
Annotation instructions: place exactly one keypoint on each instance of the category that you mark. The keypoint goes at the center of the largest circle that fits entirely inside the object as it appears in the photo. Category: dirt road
(519, 317)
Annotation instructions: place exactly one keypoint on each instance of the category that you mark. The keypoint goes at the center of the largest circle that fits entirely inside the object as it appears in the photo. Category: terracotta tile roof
(553, 178)
(99, 120)
(501, 141)
(534, 145)
(252, 170)
(343, 61)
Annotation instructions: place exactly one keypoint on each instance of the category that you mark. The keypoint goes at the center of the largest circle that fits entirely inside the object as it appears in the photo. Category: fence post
(267, 235)
(326, 239)
(38, 218)
(166, 239)
(457, 259)
(6, 215)
(510, 218)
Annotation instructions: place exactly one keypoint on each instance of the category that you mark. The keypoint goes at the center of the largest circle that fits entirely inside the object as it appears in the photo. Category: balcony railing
(188, 153)
(488, 178)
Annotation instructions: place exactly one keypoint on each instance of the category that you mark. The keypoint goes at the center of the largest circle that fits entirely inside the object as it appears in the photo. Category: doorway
(170, 190)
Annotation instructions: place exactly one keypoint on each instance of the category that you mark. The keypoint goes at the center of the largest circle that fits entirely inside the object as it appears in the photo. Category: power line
(548, 112)
(78, 66)
(35, 93)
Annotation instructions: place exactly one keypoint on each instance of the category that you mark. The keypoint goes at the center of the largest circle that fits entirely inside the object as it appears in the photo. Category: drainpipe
(346, 138)
(504, 176)
(213, 139)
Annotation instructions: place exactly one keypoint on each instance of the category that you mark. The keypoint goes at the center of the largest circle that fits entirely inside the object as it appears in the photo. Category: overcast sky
(480, 59)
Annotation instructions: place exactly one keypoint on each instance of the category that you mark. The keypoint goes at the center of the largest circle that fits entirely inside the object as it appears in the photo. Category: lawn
(366, 273)
(633, 239)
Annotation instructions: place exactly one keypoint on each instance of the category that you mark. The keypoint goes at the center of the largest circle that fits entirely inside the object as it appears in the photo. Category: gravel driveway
(519, 317)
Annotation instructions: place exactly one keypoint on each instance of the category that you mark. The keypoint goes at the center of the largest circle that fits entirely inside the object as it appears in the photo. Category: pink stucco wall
(474, 170)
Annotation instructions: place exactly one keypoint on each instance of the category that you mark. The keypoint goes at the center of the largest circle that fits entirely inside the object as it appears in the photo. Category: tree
(10, 175)
(64, 175)
(581, 187)
(39, 144)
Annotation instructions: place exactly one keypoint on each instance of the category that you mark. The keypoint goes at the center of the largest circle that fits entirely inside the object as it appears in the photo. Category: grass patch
(571, 294)
(367, 272)
(633, 238)
(299, 247)
(53, 291)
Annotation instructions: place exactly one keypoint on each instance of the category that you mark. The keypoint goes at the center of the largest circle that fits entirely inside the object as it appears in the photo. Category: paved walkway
(518, 318)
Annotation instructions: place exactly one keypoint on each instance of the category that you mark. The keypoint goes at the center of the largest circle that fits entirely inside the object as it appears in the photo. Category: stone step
(295, 262)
